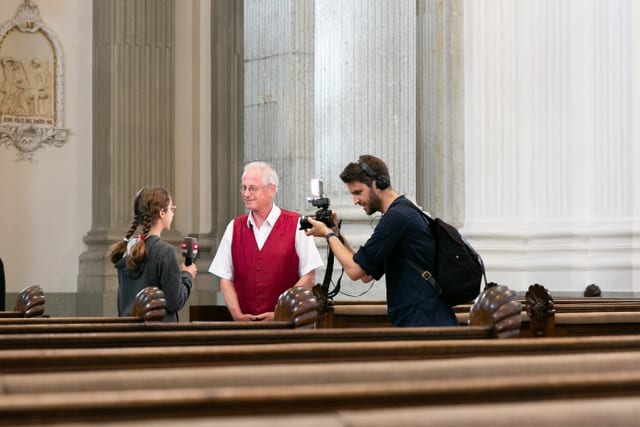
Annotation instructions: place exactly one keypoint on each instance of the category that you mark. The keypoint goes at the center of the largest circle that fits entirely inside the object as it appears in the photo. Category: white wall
(46, 204)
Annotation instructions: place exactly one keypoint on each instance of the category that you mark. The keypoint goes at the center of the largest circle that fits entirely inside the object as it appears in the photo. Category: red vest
(261, 275)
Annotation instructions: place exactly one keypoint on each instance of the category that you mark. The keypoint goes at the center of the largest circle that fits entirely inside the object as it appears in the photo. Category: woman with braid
(146, 260)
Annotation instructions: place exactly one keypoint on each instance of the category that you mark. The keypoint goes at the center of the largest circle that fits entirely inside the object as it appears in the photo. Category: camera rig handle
(326, 282)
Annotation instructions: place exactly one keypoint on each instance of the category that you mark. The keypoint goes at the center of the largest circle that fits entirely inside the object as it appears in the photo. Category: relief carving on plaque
(31, 84)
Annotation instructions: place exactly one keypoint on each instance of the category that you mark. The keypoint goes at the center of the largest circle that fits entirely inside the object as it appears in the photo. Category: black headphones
(382, 181)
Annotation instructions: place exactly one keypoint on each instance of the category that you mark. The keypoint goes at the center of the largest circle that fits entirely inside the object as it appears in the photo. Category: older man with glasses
(262, 253)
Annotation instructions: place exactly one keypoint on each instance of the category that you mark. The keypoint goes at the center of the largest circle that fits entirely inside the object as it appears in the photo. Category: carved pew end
(541, 311)
(31, 301)
(497, 307)
(150, 304)
(298, 305)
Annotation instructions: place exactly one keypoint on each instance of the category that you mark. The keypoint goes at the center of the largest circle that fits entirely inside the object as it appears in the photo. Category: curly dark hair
(353, 172)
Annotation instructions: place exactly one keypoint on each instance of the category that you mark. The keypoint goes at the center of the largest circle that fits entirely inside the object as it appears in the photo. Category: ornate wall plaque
(31, 84)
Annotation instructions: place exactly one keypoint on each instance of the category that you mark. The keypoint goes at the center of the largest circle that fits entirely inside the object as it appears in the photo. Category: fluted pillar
(365, 90)
(440, 173)
(278, 93)
(133, 102)
(551, 191)
(227, 129)
(635, 136)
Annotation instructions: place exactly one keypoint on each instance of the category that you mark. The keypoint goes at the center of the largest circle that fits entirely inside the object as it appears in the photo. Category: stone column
(133, 102)
(440, 109)
(226, 162)
(365, 97)
(635, 136)
(278, 96)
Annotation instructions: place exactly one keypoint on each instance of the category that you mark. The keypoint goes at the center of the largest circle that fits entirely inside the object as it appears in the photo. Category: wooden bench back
(317, 396)
(48, 360)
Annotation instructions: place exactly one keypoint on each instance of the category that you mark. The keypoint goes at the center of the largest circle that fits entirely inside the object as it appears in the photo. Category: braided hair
(147, 204)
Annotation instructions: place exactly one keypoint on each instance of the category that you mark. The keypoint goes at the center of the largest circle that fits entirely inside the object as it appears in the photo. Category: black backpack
(459, 269)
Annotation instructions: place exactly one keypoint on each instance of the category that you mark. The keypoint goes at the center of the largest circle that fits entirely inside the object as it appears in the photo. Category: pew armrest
(298, 305)
(150, 304)
(30, 301)
(497, 307)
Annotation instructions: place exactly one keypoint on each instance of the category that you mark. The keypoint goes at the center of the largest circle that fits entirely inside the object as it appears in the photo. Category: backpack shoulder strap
(426, 274)
(407, 202)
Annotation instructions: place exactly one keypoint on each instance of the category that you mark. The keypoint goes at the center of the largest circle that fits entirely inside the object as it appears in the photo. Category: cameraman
(401, 235)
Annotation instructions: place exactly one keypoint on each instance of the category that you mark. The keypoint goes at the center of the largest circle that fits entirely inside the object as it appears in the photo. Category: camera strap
(326, 283)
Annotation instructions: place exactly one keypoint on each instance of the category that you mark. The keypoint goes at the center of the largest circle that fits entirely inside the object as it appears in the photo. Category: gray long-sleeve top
(160, 268)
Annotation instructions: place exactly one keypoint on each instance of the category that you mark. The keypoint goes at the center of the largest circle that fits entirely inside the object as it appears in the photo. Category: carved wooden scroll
(497, 306)
(298, 305)
(30, 301)
(541, 311)
(150, 304)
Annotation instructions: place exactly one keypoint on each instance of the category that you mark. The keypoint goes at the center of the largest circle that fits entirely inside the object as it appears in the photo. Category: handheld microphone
(189, 249)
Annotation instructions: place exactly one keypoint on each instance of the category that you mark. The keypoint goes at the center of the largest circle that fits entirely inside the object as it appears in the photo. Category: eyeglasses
(251, 189)
(172, 207)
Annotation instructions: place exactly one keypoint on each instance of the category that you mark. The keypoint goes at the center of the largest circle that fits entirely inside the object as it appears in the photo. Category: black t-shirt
(402, 235)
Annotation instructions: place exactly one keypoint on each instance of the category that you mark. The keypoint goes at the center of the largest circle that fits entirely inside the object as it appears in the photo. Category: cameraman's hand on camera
(318, 229)
(340, 247)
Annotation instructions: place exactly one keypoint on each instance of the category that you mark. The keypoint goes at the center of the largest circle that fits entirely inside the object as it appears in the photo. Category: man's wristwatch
(330, 235)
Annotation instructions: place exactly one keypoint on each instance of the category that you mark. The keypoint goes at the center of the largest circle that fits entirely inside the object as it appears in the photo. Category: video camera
(319, 200)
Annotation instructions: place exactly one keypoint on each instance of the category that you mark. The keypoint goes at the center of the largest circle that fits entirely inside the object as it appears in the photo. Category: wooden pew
(578, 323)
(209, 313)
(592, 411)
(358, 315)
(321, 373)
(497, 314)
(205, 334)
(585, 324)
(48, 360)
(431, 375)
(35, 333)
(374, 386)
(584, 320)
(228, 333)
(561, 317)
(30, 303)
(149, 305)
(546, 318)
(296, 308)
(364, 390)
(60, 333)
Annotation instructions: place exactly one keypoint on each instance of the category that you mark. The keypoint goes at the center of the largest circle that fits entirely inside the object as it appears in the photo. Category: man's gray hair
(269, 175)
